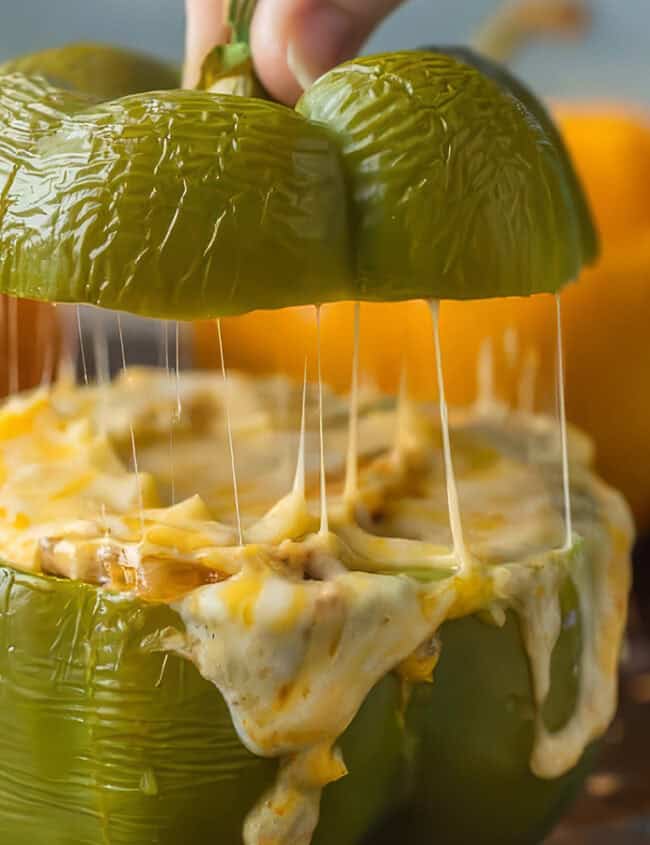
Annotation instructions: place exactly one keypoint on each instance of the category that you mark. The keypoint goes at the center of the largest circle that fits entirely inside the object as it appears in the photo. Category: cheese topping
(295, 625)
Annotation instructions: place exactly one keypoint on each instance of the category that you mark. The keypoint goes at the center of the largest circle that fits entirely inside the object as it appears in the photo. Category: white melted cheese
(297, 624)
(294, 662)
(602, 584)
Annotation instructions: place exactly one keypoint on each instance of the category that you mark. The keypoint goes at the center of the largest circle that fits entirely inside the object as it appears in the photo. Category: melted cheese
(602, 581)
(296, 625)
(336, 639)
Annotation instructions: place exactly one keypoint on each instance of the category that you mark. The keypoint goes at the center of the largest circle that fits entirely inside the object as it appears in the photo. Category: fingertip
(270, 36)
(296, 41)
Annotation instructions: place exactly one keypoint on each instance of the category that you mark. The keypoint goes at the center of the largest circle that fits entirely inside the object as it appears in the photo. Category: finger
(205, 27)
(295, 41)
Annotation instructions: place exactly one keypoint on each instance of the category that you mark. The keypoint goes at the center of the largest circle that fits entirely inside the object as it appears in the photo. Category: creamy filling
(296, 625)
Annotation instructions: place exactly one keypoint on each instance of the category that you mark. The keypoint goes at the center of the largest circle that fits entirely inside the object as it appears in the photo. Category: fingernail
(304, 77)
(319, 40)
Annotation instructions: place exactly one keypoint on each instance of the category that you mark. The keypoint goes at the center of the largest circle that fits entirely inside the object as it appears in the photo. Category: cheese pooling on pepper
(296, 626)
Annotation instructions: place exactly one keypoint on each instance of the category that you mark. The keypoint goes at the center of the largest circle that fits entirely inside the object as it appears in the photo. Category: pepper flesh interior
(325, 617)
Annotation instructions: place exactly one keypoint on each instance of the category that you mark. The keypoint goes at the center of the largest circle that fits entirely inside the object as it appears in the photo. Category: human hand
(293, 41)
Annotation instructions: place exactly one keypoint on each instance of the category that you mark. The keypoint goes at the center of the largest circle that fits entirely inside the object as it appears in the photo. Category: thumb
(295, 41)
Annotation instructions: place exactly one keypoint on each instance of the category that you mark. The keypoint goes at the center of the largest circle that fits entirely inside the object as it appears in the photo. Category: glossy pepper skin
(106, 741)
(106, 72)
(99, 69)
(145, 200)
(457, 177)
(404, 175)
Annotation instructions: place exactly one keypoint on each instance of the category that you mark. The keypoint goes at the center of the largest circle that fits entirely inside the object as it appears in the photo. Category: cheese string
(177, 344)
(134, 453)
(324, 523)
(352, 460)
(175, 416)
(82, 350)
(566, 487)
(452, 491)
(231, 447)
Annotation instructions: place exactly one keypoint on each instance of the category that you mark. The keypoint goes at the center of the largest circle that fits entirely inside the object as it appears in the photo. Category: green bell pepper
(410, 174)
(399, 176)
(98, 69)
(104, 740)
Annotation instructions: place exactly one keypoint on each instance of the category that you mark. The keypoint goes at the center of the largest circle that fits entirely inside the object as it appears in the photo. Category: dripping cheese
(295, 625)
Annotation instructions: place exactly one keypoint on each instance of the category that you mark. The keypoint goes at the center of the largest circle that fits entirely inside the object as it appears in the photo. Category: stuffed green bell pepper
(163, 683)
(407, 175)
(308, 660)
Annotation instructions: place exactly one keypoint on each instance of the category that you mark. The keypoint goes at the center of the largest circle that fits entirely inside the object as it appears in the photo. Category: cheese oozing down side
(295, 625)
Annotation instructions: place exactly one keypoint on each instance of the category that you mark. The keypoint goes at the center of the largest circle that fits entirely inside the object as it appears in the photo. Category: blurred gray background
(613, 62)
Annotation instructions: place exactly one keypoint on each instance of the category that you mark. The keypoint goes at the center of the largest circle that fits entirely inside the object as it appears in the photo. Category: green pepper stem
(239, 15)
(228, 68)
(517, 23)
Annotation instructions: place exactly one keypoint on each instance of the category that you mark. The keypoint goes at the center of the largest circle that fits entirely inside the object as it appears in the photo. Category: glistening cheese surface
(296, 626)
